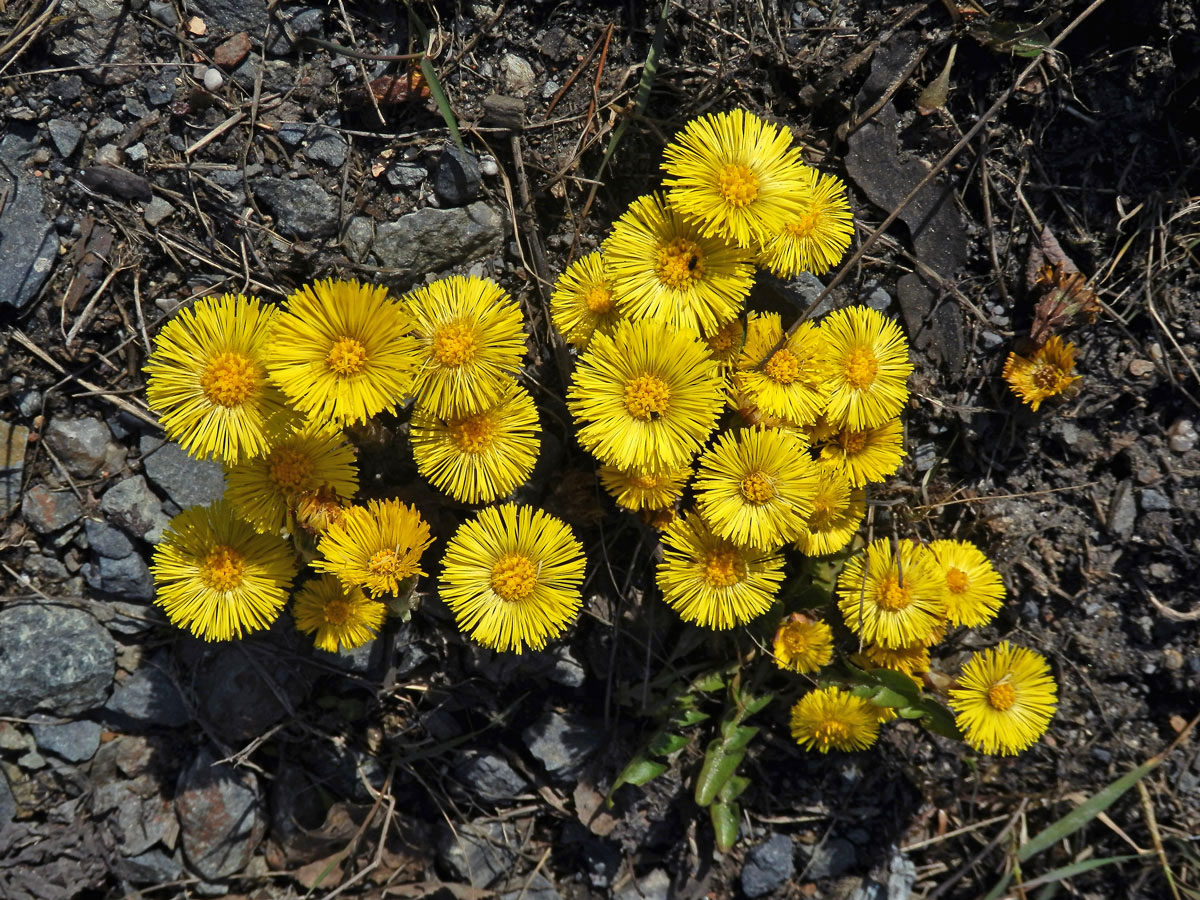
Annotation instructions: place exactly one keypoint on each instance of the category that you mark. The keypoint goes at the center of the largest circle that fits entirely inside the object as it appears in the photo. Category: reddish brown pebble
(232, 51)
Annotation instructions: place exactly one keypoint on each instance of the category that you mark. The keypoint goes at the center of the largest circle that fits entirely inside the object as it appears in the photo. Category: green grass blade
(1074, 869)
(429, 73)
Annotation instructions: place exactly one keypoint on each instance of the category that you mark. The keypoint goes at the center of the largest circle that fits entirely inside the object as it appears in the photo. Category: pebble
(155, 866)
(328, 148)
(46, 510)
(300, 207)
(480, 852)
(488, 166)
(809, 286)
(105, 540)
(230, 52)
(136, 152)
(902, 876)
(489, 777)
(220, 816)
(925, 457)
(562, 744)
(136, 108)
(81, 445)
(105, 130)
(306, 21)
(567, 670)
(990, 339)
(65, 135)
(146, 699)
(213, 79)
(539, 887)
(132, 506)
(1140, 367)
(160, 88)
(75, 741)
(55, 658)
(164, 12)
(433, 240)
(292, 133)
(656, 885)
(830, 859)
(878, 299)
(127, 577)
(30, 242)
(157, 211)
(457, 179)
(8, 804)
(186, 481)
(1154, 500)
(13, 440)
(108, 155)
(550, 88)
(517, 74)
(768, 865)
(1181, 436)
(358, 237)
(405, 175)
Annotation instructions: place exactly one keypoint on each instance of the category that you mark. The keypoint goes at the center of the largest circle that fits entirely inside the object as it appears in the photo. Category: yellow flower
(207, 379)
(725, 345)
(791, 384)
(662, 267)
(342, 353)
(867, 360)
(217, 576)
(340, 616)
(480, 456)
(756, 486)
(512, 576)
(646, 397)
(909, 660)
(802, 644)
(583, 301)
(833, 719)
(1045, 374)
(712, 582)
(1005, 699)
(815, 239)
(375, 547)
(837, 512)
(737, 176)
(318, 509)
(871, 454)
(263, 490)
(636, 490)
(470, 333)
(974, 591)
(893, 600)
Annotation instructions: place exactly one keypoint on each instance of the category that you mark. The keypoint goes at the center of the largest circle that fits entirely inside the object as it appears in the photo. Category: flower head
(264, 489)
(789, 383)
(756, 487)
(837, 512)
(217, 576)
(637, 490)
(318, 509)
(583, 301)
(725, 344)
(909, 660)
(663, 267)
(711, 581)
(339, 616)
(802, 644)
(833, 719)
(645, 398)
(816, 238)
(477, 457)
(342, 353)
(1004, 700)
(737, 176)
(867, 367)
(862, 456)
(376, 547)
(207, 379)
(1045, 374)
(512, 576)
(469, 330)
(974, 591)
(892, 599)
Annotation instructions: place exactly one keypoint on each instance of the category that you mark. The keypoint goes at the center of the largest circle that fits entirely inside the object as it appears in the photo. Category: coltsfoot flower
(892, 597)
(336, 616)
(867, 366)
(1004, 700)
(802, 644)
(816, 239)
(833, 719)
(1044, 375)
(377, 546)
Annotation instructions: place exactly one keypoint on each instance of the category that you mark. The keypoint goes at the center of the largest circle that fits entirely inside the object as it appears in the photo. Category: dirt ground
(157, 152)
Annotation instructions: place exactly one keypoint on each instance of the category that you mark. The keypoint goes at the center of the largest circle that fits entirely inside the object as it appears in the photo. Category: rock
(406, 175)
(220, 816)
(46, 510)
(302, 22)
(8, 803)
(27, 236)
(146, 699)
(105, 130)
(224, 17)
(567, 671)
(809, 287)
(99, 32)
(358, 237)
(157, 211)
(490, 777)
(1122, 510)
(213, 79)
(925, 457)
(75, 741)
(187, 481)
(432, 240)
(127, 577)
(160, 87)
(135, 508)
(54, 658)
(37, 565)
(654, 886)
(457, 179)
(328, 148)
(65, 135)
(106, 541)
(137, 153)
(539, 887)
(902, 876)
(830, 859)
(878, 299)
(1151, 500)
(235, 696)
(81, 445)
(13, 439)
(300, 207)
(164, 12)
(230, 52)
(990, 339)
(480, 853)
(517, 74)
(768, 865)
(292, 133)
(155, 866)
(562, 745)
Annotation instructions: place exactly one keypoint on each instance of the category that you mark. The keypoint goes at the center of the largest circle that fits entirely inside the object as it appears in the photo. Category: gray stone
(28, 242)
(539, 887)
(292, 133)
(300, 207)
(654, 886)
(105, 130)
(481, 852)
(137, 152)
(902, 876)
(1122, 512)
(562, 745)
(328, 148)
(133, 618)
(831, 858)
(220, 816)
(75, 741)
(490, 777)
(878, 299)
(136, 108)
(157, 211)
(164, 12)
(155, 866)
(101, 35)
(160, 85)
(457, 179)
(406, 175)
(768, 865)
(1154, 500)
(46, 510)
(432, 240)
(301, 22)
(990, 339)
(925, 457)
(81, 445)
(13, 440)
(356, 242)
(235, 696)
(518, 75)
(38, 566)
(146, 699)
(65, 135)
(106, 541)
(225, 17)
(135, 508)
(127, 577)
(809, 287)
(54, 658)
(567, 671)
(8, 803)
(187, 481)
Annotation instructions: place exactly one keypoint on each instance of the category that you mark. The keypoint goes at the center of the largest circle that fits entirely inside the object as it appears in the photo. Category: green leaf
(880, 696)
(638, 772)
(720, 762)
(665, 744)
(1074, 869)
(734, 788)
(938, 719)
(713, 681)
(755, 704)
(898, 682)
(726, 820)
(689, 717)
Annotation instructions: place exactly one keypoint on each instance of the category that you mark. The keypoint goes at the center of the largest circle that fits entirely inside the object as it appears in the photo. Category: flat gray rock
(490, 777)
(28, 242)
(53, 658)
(132, 506)
(301, 207)
(105, 540)
(220, 816)
(235, 696)
(187, 481)
(768, 865)
(562, 744)
(46, 510)
(75, 741)
(480, 853)
(81, 445)
(146, 699)
(433, 240)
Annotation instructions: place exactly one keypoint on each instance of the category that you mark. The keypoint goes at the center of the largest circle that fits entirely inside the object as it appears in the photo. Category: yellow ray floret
(867, 365)
(207, 379)
(336, 616)
(789, 383)
(802, 644)
(725, 344)
(867, 455)
(636, 490)
(377, 546)
(512, 576)
(837, 512)
(711, 581)
(909, 660)
(1045, 374)
(1004, 700)
(833, 719)
(892, 599)
(583, 301)
(816, 239)
(218, 577)
(974, 591)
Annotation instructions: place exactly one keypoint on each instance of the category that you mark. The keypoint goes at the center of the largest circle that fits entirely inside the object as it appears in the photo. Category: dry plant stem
(28, 34)
(934, 172)
(983, 851)
(1156, 837)
(583, 64)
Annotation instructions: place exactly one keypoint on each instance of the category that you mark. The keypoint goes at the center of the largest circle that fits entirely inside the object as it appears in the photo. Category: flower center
(861, 368)
(893, 596)
(337, 612)
(647, 397)
(680, 263)
(852, 441)
(957, 581)
(385, 563)
(723, 340)
(832, 731)
(737, 184)
(289, 469)
(223, 569)
(472, 434)
(796, 639)
(230, 379)
(514, 576)
(347, 356)
(599, 300)
(644, 482)
(783, 367)
(804, 226)
(723, 568)
(1001, 696)
(455, 344)
(757, 488)
(1046, 378)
